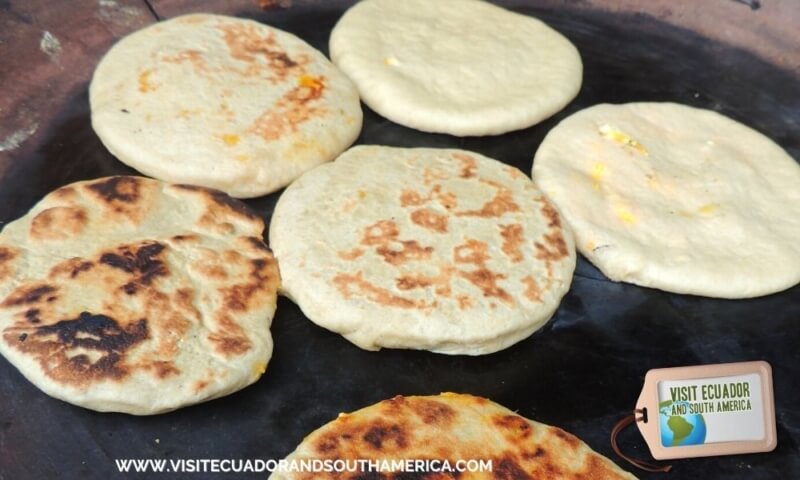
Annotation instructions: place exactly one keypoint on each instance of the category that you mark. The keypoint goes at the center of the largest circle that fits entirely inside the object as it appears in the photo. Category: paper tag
(708, 410)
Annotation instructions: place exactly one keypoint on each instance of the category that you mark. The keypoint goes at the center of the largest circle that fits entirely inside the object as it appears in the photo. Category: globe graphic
(680, 430)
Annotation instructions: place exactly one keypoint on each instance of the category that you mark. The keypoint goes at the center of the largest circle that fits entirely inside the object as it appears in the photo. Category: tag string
(637, 416)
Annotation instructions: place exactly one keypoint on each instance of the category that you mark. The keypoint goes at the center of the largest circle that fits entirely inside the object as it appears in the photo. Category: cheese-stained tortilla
(463, 67)
(448, 427)
(676, 198)
(436, 249)
(127, 294)
(222, 102)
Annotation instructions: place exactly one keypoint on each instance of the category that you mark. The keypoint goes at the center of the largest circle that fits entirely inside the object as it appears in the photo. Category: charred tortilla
(131, 295)
(451, 427)
(436, 249)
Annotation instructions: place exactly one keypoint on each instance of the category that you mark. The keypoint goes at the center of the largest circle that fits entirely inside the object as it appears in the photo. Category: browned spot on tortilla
(57, 223)
(295, 107)
(432, 412)
(473, 251)
(430, 220)
(229, 338)
(200, 385)
(512, 241)
(464, 302)
(27, 295)
(468, 164)
(187, 237)
(552, 248)
(380, 233)
(260, 51)
(550, 213)
(350, 254)
(32, 315)
(162, 368)
(570, 440)
(513, 427)
(440, 282)
(117, 189)
(7, 256)
(502, 203)
(410, 198)
(71, 268)
(486, 280)
(348, 284)
(410, 250)
(532, 291)
(194, 57)
(262, 278)
(58, 347)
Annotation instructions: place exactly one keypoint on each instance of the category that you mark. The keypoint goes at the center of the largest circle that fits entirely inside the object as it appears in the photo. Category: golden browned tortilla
(128, 294)
(449, 427)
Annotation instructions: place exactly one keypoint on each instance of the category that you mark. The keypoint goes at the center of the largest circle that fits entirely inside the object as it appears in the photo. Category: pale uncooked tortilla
(127, 294)
(463, 67)
(676, 198)
(222, 102)
(436, 249)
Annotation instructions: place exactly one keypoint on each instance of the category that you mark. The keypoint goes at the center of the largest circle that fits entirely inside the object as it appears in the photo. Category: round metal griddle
(581, 372)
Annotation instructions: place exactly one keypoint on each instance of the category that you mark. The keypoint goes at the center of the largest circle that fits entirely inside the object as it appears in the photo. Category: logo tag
(708, 410)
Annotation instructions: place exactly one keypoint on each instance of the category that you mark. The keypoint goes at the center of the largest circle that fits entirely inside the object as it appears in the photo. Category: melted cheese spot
(590, 245)
(391, 61)
(310, 81)
(144, 81)
(626, 216)
(708, 209)
(242, 157)
(259, 368)
(599, 170)
(617, 136)
(362, 194)
(231, 139)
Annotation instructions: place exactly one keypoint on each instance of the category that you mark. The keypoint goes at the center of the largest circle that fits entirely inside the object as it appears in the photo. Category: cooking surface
(581, 372)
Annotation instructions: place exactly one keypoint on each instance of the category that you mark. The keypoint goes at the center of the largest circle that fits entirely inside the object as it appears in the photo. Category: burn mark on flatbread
(432, 412)
(532, 291)
(143, 262)
(7, 256)
(513, 237)
(29, 295)
(383, 437)
(65, 349)
(430, 220)
(383, 235)
(514, 427)
(501, 203)
(348, 284)
(468, 164)
(410, 250)
(295, 107)
(411, 198)
(476, 252)
(570, 440)
(71, 268)
(57, 223)
(440, 282)
(249, 44)
(116, 189)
